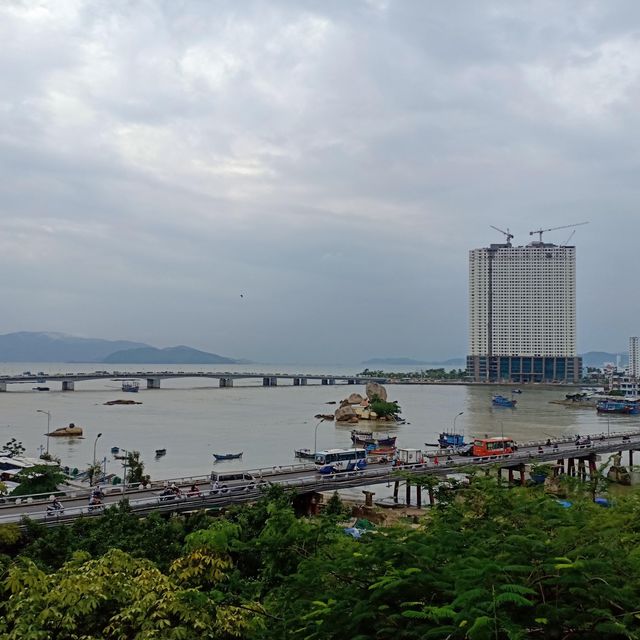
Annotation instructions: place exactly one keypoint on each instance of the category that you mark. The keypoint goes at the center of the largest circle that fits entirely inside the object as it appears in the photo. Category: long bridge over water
(154, 378)
(570, 457)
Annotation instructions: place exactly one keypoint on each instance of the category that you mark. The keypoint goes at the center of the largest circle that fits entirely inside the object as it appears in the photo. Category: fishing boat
(130, 386)
(227, 456)
(366, 438)
(160, 453)
(305, 454)
(627, 407)
(516, 390)
(448, 439)
(71, 430)
(501, 401)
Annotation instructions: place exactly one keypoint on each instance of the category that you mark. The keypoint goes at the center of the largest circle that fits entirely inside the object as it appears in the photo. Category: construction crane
(507, 233)
(566, 226)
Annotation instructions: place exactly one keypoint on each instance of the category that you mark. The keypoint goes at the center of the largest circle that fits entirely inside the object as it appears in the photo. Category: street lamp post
(48, 425)
(315, 438)
(124, 466)
(95, 442)
(454, 420)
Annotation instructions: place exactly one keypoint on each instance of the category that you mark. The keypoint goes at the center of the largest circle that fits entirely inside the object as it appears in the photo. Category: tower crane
(506, 233)
(565, 226)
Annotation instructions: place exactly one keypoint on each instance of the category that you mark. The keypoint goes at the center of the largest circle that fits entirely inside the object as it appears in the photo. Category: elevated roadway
(305, 479)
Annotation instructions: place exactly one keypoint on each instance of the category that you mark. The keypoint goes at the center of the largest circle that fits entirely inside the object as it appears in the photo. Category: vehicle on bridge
(332, 460)
(483, 447)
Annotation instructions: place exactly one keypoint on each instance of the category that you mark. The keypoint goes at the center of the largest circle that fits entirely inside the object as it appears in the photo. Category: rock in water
(345, 414)
(375, 389)
(355, 398)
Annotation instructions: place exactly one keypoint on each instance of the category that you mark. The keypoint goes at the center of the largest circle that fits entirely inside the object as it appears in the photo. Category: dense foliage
(41, 478)
(488, 562)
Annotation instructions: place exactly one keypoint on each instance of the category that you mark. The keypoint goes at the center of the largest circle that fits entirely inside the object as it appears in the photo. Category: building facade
(522, 314)
(634, 358)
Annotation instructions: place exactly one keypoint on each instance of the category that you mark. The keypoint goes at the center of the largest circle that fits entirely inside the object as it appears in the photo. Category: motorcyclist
(194, 491)
(55, 505)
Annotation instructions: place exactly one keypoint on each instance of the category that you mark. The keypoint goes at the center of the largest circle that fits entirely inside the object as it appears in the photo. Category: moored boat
(160, 453)
(501, 401)
(623, 406)
(368, 438)
(448, 439)
(305, 454)
(130, 386)
(227, 456)
(71, 430)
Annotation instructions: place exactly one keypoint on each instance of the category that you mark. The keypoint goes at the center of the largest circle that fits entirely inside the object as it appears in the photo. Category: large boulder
(355, 398)
(345, 414)
(375, 389)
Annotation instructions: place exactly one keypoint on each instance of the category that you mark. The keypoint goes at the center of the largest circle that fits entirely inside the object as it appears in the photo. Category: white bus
(333, 456)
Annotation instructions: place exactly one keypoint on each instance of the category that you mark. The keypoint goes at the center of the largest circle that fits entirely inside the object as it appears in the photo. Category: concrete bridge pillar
(325, 381)
(153, 383)
(273, 382)
(351, 381)
(303, 382)
(3, 386)
(266, 382)
(226, 382)
(67, 385)
(332, 380)
(296, 382)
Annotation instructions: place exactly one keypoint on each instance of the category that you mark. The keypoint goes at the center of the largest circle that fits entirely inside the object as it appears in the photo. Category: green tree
(41, 478)
(136, 474)
(14, 447)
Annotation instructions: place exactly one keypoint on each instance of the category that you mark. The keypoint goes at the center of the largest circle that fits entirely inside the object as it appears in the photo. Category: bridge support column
(396, 487)
(67, 385)
(368, 498)
(523, 479)
(408, 494)
(431, 498)
(274, 382)
(3, 386)
(582, 473)
(332, 380)
(153, 383)
(592, 466)
(303, 382)
(559, 469)
(325, 381)
(226, 382)
(266, 382)
(510, 476)
(419, 497)
(571, 468)
(630, 457)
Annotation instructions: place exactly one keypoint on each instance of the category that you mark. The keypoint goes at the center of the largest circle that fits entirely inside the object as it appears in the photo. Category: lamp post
(124, 466)
(48, 425)
(454, 420)
(95, 442)
(315, 438)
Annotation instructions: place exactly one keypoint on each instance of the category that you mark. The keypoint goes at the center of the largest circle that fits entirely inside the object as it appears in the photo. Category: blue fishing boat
(627, 407)
(130, 386)
(448, 439)
(501, 401)
(227, 456)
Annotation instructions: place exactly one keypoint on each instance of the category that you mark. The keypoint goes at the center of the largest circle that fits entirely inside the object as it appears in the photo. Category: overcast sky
(302, 181)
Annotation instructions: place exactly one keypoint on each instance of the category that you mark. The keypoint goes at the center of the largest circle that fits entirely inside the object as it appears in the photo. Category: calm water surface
(194, 418)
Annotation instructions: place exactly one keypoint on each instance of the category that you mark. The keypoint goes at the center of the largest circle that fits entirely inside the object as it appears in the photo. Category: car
(224, 482)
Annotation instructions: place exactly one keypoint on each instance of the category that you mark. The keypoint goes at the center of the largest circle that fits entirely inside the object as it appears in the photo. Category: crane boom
(564, 226)
(506, 233)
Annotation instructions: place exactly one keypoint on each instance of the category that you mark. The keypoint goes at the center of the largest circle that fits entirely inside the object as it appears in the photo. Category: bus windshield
(339, 455)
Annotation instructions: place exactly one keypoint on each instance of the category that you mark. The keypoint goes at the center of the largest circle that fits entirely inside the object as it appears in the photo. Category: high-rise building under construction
(522, 313)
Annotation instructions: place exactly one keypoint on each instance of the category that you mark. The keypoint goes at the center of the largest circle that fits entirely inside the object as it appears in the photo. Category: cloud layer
(333, 162)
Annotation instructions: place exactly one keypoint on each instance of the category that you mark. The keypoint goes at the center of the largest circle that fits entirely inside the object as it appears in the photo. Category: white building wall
(634, 357)
(522, 301)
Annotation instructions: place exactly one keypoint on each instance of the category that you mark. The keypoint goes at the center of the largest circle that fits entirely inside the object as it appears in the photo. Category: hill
(33, 346)
(169, 355)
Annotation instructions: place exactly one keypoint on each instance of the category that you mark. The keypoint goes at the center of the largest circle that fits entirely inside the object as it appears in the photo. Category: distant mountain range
(170, 355)
(599, 358)
(30, 346)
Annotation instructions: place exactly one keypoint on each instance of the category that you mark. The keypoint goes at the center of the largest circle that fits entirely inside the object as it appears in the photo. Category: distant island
(46, 346)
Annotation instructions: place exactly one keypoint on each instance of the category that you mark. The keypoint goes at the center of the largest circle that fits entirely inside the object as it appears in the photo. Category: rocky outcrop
(375, 389)
(345, 414)
(355, 398)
